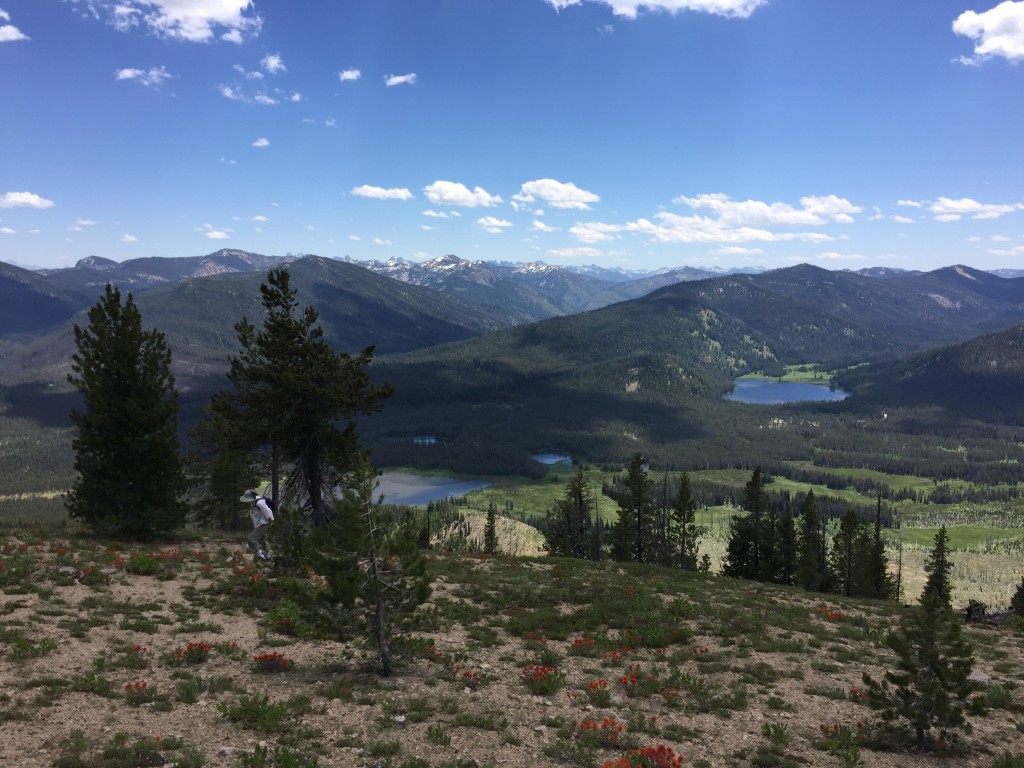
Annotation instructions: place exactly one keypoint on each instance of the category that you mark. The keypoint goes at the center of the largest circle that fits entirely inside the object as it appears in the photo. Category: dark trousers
(258, 538)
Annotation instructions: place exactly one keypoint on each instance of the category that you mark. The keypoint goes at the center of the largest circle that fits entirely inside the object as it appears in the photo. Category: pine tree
(811, 565)
(374, 573)
(938, 567)
(878, 581)
(129, 470)
(746, 534)
(755, 503)
(930, 685)
(491, 530)
(632, 534)
(843, 557)
(296, 396)
(787, 553)
(685, 538)
(568, 528)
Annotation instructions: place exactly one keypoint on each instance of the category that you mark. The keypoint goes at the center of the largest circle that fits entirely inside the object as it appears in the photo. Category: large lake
(418, 490)
(766, 391)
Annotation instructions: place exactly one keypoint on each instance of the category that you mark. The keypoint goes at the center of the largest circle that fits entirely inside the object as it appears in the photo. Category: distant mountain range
(503, 337)
(510, 294)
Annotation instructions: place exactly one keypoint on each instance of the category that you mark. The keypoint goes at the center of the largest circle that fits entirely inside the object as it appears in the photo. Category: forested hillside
(980, 377)
(652, 372)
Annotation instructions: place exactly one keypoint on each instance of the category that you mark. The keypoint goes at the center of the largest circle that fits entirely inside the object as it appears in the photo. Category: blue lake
(419, 490)
(766, 391)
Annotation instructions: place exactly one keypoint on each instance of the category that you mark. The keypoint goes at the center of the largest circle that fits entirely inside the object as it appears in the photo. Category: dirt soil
(31, 731)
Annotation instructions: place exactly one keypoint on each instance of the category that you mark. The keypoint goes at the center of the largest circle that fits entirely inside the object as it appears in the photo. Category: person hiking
(262, 514)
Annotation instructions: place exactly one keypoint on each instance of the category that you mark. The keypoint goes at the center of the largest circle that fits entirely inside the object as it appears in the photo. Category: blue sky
(645, 135)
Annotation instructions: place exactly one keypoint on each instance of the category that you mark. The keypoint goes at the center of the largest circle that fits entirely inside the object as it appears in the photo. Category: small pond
(418, 490)
(768, 391)
(552, 458)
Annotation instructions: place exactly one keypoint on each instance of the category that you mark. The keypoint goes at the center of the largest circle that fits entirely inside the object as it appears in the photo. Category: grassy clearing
(513, 662)
(805, 373)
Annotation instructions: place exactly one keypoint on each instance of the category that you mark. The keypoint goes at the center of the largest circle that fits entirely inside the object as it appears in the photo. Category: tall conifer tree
(633, 532)
(811, 566)
(685, 531)
(568, 528)
(938, 567)
(126, 450)
(291, 391)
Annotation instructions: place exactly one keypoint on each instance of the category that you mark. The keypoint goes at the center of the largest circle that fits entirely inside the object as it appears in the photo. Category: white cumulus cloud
(24, 200)
(910, 203)
(349, 75)
(830, 207)
(151, 78)
(556, 193)
(814, 211)
(380, 193)
(126, 238)
(8, 32)
(902, 220)
(995, 32)
(7, 231)
(261, 142)
(456, 193)
(540, 226)
(195, 21)
(946, 209)
(595, 232)
(273, 63)
(392, 80)
(381, 241)
(629, 8)
(493, 225)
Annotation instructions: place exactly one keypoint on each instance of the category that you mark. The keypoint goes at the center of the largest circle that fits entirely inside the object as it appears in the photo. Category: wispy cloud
(248, 75)
(153, 77)
(214, 234)
(735, 250)
(381, 241)
(380, 193)
(455, 193)
(195, 21)
(126, 238)
(349, 75)
(558, 194)
(8, 32)
(392, 80)
(24, 200)
(629, 8)
(996, 32)
(261, 142)
(575, 253)
(540, 226)
(493, 225)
